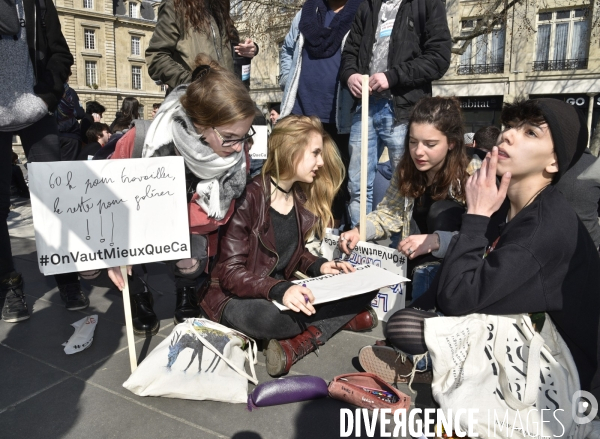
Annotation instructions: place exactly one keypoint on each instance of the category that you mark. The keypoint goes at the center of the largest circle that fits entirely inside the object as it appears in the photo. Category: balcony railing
(480, 69)
(562, 64)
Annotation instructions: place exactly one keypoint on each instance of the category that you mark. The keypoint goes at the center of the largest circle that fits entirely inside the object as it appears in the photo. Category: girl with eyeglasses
(208, 123)
(263, 246)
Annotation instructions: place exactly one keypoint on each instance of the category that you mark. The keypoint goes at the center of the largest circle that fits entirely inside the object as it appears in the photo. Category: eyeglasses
(232, 142)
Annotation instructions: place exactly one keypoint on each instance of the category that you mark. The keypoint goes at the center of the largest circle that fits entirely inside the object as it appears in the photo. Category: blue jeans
(422, 278)
(382, 133)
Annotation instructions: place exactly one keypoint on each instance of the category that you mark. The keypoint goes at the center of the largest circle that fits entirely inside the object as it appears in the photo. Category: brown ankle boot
(363, 321)
(281, 354)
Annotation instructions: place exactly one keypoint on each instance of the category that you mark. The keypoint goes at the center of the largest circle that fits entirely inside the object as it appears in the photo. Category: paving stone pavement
(48, 394)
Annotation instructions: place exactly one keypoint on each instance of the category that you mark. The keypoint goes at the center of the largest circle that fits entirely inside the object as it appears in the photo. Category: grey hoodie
(19, 106)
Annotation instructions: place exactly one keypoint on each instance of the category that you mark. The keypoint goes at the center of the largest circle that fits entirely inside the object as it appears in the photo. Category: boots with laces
(281, 354)
(15, 306)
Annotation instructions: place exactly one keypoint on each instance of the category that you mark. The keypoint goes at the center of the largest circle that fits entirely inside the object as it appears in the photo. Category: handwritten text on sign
(96, 214)
(389, 299)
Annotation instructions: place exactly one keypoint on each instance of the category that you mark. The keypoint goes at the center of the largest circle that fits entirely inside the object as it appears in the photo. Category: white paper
(83, 336)
(330, 287)
(390, 298)
(105, 213)
(259, 148)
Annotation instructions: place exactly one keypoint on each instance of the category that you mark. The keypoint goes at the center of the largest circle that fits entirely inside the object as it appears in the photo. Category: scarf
(322, 42)
(223, 179)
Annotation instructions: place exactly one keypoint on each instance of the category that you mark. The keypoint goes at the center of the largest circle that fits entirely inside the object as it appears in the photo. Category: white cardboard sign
(259, 148)
(105, 213)
(389, 299)
(330, 287)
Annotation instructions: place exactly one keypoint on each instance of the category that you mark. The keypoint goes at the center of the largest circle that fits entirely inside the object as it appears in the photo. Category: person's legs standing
(355, 159)
(14, 308)
(339, 207)
(394, 137)
(6, 262)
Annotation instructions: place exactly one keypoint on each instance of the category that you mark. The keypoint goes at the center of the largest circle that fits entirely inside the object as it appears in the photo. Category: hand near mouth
(483, 196)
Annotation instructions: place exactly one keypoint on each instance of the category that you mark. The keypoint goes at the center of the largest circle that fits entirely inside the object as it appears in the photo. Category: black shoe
(187, 304)
(15, 307)
(73, 297)
(144, 320)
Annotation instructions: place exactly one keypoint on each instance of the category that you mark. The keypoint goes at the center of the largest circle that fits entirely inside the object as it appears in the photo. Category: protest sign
(105, 213)
(389, 299)
(259, 147)
(330, 287)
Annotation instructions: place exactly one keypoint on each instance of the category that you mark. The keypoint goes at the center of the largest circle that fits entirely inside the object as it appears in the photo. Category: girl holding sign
(264, 245)
(208, 122)
(427, 187)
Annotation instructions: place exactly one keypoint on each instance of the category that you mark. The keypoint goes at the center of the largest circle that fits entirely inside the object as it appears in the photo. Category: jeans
(382, 133)
(422, 278)
(40, 142)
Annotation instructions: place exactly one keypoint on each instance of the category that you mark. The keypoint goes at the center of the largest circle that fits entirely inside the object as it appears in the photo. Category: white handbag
(518, 382)
(200, 360)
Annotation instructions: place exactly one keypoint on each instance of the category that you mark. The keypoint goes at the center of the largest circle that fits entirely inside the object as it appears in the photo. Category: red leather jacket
(247, 253)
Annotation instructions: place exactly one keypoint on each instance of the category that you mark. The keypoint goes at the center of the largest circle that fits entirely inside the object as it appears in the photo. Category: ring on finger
(410, 251)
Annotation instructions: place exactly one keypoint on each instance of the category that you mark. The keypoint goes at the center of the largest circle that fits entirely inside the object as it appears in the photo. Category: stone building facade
(108, 39)
(543, 49)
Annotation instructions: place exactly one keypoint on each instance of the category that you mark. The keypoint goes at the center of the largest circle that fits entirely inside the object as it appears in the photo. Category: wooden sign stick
(364, 157)
(128, 321)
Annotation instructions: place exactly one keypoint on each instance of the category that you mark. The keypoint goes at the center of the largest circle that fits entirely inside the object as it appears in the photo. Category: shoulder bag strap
(533, 365)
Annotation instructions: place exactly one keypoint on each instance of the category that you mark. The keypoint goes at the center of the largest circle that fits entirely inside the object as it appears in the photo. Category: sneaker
(15, 306)
(73, 297)
(391, 366)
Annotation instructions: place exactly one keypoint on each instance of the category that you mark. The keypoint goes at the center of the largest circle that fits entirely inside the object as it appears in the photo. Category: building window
(135, 45)
(89, 39)
(163, 87)
(141, 112)
(235, 9)
(485, 54)
(562, 40)
(88, 4)
(136, 77)
(133, 12)
(91, 79)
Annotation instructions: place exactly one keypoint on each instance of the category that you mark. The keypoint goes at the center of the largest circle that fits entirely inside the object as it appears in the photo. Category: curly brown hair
(445, 115)
(196, 15)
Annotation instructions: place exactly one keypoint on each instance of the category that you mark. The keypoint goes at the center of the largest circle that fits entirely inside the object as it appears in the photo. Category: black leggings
(405, 330)
(262, 320)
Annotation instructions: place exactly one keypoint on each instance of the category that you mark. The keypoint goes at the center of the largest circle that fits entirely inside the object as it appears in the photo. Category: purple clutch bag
(286, 390)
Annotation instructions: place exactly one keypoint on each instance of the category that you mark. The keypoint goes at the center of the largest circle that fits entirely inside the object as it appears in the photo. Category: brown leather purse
(368, 391)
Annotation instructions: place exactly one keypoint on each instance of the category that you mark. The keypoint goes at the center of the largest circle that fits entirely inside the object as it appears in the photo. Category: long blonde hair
(286, 148)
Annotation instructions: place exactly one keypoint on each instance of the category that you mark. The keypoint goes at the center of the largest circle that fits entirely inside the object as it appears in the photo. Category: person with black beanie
(521, 246)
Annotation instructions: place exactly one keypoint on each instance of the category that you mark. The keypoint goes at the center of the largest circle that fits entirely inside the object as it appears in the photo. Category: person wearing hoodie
(32, 86)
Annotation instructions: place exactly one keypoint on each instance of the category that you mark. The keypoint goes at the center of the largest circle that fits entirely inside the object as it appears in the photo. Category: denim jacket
(290, 64)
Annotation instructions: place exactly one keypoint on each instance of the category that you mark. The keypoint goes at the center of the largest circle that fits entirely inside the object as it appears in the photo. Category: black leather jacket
(419, 53)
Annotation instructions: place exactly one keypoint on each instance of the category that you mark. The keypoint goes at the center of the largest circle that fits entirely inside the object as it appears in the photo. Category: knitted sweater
(19, 105)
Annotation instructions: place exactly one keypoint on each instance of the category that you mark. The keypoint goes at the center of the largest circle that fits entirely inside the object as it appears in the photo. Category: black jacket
(419, 53)
(48, 50)
(544, 261)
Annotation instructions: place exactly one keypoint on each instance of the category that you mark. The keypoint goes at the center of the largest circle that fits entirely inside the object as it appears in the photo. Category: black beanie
(569, 132)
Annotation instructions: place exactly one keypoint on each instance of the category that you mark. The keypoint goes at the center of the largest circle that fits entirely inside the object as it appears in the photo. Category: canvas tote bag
(200, 360)
(510, 373)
